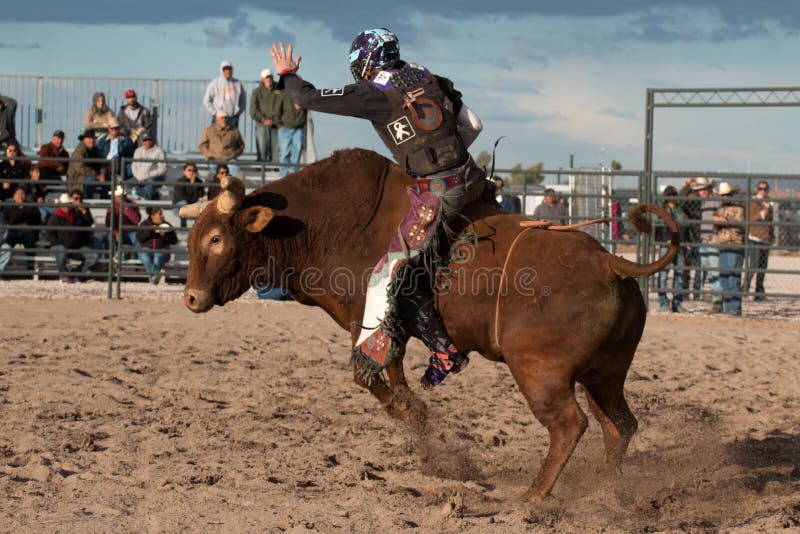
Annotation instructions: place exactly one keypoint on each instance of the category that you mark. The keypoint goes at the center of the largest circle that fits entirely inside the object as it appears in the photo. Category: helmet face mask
(372, 49)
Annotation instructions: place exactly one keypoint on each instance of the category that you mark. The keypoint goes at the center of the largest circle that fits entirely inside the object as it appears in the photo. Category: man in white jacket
(225, 93)
(151, 171)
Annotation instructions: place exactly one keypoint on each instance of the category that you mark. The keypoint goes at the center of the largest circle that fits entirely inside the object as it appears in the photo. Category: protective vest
(422, 131)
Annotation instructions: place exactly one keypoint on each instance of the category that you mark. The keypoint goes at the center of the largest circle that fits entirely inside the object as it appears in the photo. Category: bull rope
(527, 225)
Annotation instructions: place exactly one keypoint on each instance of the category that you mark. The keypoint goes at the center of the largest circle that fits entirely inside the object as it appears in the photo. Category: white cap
(265, 73)
(119, 191)
(65, 198)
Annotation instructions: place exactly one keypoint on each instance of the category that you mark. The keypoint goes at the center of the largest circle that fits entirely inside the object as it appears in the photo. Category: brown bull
(554, 306)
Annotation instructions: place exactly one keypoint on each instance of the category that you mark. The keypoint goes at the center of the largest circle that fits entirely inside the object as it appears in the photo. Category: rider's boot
(442, 364)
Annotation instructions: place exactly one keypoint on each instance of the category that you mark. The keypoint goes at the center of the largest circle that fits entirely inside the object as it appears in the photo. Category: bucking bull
(553, 305)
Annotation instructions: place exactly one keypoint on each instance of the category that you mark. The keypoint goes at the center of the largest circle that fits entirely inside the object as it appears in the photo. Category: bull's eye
(215, 240)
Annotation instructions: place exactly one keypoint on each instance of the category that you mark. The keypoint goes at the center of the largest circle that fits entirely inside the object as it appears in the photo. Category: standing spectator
(225, 93)
(709, 250)
(98, 117)
(678, 264)
(509, 203)
(155, 236)
(760, 237)
(8, 128)
(149, 171)
(291, 133)
(53, 170)
(115, 146)
(551, 209)
(19, 216)
(82, 174)
(188, 193)
(68, 229)
(221, 142)
(694, 216)
(37, 192)
(265, 110)
(11, 169)
(214, 187)
(729, 225)
(134, 117)
(131, 216)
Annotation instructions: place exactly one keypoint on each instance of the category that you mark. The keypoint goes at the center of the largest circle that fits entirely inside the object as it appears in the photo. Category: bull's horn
(232, 194)
(192, 211)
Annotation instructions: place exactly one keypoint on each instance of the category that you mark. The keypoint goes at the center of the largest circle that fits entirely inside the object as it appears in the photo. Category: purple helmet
(373, 49)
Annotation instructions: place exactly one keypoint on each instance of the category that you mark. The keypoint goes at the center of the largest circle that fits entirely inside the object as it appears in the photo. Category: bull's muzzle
(197, 300)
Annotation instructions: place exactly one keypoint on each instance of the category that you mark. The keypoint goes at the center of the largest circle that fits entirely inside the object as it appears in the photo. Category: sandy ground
(136, 415)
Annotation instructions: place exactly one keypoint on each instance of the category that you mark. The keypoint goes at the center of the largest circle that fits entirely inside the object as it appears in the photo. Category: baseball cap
(59, 133)
(130, 93)
(265, 73)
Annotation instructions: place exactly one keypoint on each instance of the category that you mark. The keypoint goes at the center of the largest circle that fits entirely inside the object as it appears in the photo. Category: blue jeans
(27, 238)
(232, 121)
(272, 293)
(87, 259)
(709, 263)
(731, 258)
(178, 205)
(679, 276)
(92, 186)
(128, 239)
(149, 191)
(267, 142)
(291, 141)
(153, 262)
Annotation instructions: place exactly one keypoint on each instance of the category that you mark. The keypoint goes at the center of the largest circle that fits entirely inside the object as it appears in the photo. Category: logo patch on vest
(383, 77)
(332, 92)
(427, 114)
(401, 130)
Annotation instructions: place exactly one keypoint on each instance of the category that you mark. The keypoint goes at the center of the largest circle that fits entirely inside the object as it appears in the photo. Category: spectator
(67, 229)
(678, 264)
(225, 93)
(551, 209)
(98, 117)
(11, 169)
(8, 128)
(19, 216)
(134, 117)
(760, 237)
(729, 226)
(155, 236)
(131, 216)
(53, 170)
(694, 216)
(265, 110)
(115, 146)
(149, 171)
(189, 193)
(709, 251)
(509, 203)
(214, 188)
(81, 173)
(221, 142)
(37, 192)
(291, 133)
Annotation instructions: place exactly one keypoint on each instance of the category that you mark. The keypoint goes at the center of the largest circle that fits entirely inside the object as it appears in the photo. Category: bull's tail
(628, 269)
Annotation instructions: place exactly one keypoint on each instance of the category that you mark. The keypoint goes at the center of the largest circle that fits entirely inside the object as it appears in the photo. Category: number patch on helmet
(401, 130)
(332, 92)
(427, 114)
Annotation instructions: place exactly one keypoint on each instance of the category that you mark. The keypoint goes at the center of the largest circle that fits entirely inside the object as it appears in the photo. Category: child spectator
(155, 236)
(37, 192)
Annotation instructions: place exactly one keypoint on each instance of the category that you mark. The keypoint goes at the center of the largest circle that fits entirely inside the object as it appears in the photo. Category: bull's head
(220, 246)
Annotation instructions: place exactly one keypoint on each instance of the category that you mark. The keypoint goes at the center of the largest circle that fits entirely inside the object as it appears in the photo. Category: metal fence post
(155, 111)
(111, 239)
(39, 111)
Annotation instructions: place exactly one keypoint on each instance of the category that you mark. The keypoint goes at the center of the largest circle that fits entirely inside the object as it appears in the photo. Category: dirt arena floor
(137, 416)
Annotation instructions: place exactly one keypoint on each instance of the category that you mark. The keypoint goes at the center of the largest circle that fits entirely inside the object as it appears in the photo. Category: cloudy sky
(555, 78)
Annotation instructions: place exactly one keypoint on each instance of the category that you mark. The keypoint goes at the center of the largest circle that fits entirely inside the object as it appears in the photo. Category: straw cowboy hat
(727, 189)
(702, 183)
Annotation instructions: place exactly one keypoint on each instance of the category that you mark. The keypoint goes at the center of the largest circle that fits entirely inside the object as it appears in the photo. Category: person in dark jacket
(16, 214)
(188, 190)
(155, 236)
(509, 203)
(11, 169)
(291, 133)
(8, 129)
(680, 276)
(69, 228)
(53, 170)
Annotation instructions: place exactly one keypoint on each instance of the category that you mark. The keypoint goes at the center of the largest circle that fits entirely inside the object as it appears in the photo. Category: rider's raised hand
(282, 58)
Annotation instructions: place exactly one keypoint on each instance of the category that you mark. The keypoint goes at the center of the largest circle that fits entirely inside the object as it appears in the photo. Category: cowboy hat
(702, 183)
(727, 189)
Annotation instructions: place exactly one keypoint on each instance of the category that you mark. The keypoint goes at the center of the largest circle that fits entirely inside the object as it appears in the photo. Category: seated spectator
(134, 117)
(16, 214)
(551, 209)
(509, 203)
(221, 142)
(67, 229)
(115, 146)
(214, 188)
(8, 129)
(149, 171)
(11, 169)
(37, 192)
(155, 236)
(131, 216)
(53, 170)
(187, 194)
(86, 174)
(98, 117)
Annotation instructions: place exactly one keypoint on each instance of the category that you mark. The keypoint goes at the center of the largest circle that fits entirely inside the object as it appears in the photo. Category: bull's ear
(256, 218)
